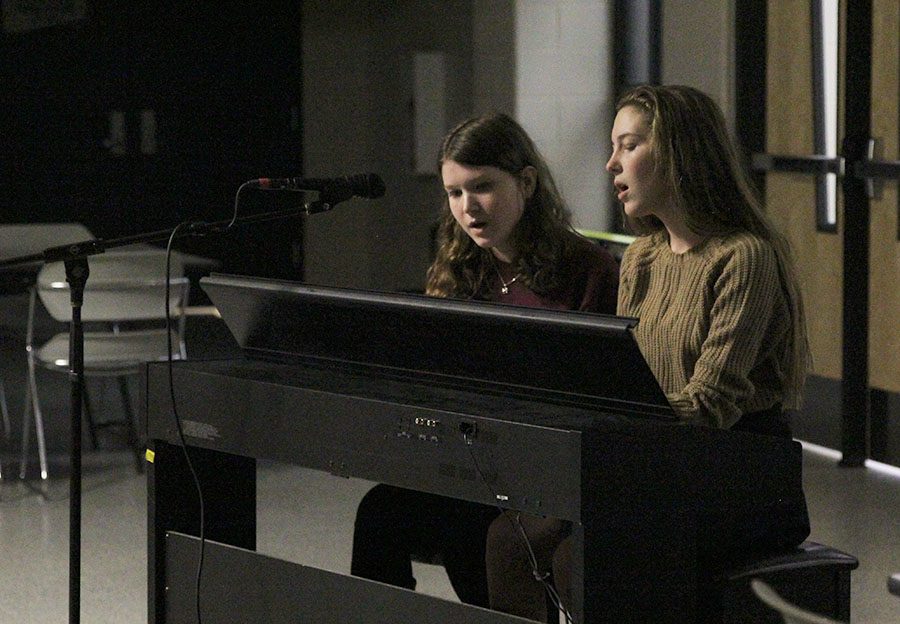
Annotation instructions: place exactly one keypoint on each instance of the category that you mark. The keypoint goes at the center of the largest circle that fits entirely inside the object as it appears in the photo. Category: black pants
(776, 528)
(771, 421)
(394, 525)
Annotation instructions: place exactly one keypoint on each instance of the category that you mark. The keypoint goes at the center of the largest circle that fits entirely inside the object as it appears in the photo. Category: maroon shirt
(591, 284)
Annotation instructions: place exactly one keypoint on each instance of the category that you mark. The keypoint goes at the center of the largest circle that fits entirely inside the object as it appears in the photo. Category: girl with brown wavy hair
(504, 236)
(504, 232)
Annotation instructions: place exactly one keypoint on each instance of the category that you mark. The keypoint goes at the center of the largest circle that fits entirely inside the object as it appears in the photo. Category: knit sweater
(714, 323)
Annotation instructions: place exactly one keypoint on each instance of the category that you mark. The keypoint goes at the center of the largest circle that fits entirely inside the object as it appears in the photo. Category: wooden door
(884, 284)
(885, 231)
(849, 260)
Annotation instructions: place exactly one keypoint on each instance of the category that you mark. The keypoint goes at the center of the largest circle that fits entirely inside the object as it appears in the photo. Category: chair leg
(7, 429)
(26, 431)
(6, 426)
(131, 430)
(33, 407)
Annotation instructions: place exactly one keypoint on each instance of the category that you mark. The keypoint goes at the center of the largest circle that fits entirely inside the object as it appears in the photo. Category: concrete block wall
(548, 63)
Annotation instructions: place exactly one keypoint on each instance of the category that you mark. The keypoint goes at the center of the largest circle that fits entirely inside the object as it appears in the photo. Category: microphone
(332, 190)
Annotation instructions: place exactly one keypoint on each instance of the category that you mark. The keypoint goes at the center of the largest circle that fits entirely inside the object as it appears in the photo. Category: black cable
(539, 576)
(187, 456)
(198, 229)
(516, 524)
(195, 228)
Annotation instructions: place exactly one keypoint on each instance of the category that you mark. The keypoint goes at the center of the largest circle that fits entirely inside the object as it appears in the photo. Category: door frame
(855, 168)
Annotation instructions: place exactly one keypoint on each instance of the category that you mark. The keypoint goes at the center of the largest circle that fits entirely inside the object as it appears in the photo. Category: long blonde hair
(713, 194)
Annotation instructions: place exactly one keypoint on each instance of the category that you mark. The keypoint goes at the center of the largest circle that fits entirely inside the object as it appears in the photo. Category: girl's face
(639, 186)
(488, 203)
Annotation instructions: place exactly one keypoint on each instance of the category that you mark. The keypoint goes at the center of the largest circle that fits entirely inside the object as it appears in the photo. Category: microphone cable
(199, 229)
(187, 457)
(516, 524)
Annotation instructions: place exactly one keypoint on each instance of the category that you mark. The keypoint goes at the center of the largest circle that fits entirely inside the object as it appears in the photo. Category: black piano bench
(812, 576)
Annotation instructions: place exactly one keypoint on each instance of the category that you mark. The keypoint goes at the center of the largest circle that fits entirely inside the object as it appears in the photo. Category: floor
(306, 516)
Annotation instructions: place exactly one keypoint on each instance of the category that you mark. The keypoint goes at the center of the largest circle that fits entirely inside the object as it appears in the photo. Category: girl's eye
(453, 193)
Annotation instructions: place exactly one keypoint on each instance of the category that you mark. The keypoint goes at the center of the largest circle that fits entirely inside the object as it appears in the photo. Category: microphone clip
(317, 206)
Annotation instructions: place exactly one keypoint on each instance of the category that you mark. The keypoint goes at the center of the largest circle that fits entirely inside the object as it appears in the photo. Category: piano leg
(229, 497)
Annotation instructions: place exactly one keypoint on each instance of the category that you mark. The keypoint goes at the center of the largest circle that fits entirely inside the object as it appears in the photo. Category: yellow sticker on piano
(149, 455)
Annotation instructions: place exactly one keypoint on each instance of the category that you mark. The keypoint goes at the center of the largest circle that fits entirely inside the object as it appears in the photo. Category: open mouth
(477, 225)
(621, 190)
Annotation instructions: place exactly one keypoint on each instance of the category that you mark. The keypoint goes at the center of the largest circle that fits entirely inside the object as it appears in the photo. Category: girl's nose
(612, 165)
(470, 203)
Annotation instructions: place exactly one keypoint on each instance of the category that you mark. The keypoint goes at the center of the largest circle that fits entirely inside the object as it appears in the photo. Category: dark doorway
(140, 115)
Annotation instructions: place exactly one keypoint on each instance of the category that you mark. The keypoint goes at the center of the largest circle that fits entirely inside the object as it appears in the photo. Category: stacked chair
(124, 320)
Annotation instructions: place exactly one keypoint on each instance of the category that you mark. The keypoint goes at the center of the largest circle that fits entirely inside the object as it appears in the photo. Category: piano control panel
(464, 448)
(422, 429)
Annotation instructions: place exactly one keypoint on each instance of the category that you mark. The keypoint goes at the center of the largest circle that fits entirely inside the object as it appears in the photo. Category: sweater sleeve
(745, 289)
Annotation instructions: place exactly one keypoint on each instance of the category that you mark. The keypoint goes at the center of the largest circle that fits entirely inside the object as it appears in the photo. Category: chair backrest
(791, 613)
(25, 239)
(123, 285)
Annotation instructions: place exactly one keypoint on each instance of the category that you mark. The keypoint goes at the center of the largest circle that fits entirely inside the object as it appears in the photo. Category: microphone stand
(75, 258)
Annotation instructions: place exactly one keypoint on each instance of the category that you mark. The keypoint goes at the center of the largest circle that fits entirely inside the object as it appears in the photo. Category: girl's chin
(485, 242)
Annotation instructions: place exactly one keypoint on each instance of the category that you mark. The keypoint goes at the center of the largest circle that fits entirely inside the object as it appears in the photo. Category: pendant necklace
(504, 285)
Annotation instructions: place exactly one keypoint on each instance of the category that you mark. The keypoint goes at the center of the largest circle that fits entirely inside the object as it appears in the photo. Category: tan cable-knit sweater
(714, 323)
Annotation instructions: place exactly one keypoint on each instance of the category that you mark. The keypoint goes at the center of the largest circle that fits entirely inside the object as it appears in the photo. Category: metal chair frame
(791, 613)
(4, 408)
(22, 239)
(128, 287)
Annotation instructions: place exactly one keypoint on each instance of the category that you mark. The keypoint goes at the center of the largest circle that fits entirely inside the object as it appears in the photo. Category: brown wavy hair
(713, 195)
(543, 236)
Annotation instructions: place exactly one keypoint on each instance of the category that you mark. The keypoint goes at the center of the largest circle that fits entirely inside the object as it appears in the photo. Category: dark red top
(590, 283)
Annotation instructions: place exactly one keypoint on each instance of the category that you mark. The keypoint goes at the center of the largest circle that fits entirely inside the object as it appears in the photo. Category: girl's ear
(528, 181)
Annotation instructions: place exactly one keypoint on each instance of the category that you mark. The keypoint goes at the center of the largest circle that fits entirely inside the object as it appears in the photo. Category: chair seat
(812, 576)
(806, 555)
(113, 354)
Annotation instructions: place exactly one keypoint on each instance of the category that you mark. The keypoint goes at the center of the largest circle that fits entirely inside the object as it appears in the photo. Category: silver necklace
(504, 285)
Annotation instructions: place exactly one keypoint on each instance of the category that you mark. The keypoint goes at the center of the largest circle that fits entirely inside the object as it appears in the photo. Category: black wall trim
(857, 130)
(637, 42)
(750, 80)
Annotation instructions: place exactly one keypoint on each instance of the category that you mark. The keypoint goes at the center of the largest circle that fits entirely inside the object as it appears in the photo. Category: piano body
(552, 413)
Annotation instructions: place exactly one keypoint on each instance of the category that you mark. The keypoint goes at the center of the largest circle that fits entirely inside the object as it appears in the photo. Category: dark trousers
(394, 526)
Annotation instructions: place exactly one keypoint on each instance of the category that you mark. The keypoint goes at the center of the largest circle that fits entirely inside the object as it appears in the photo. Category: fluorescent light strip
(830, 17)
(871, 464)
